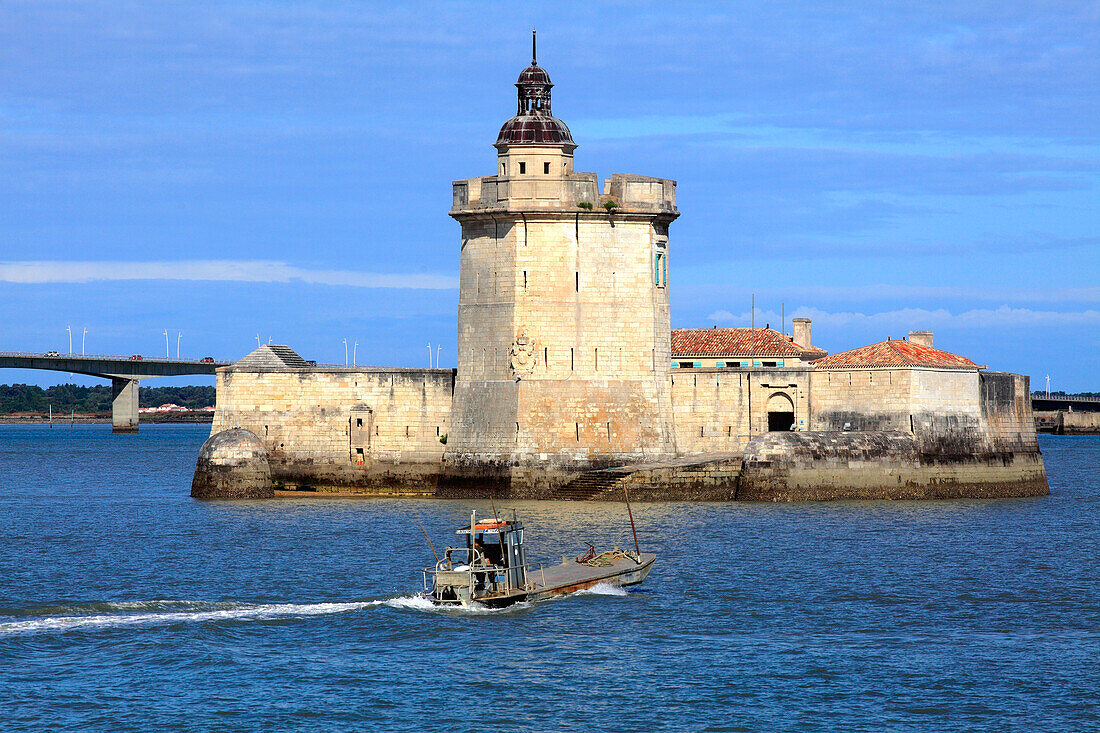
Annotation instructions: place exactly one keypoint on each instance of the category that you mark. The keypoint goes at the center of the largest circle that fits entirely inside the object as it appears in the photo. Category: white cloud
(254, 271)
(919, 318)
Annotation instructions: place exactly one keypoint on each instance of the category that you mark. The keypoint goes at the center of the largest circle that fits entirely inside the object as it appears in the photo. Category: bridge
(125, 372)
(1042, 403)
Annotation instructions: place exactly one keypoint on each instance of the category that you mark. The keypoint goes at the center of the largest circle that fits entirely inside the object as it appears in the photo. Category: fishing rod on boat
(637, 550)
(429, 539)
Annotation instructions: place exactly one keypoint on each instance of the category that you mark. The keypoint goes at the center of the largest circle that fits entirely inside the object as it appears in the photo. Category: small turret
(534, 142)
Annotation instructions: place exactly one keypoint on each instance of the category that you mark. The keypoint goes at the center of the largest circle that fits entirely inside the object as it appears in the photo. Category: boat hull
(573, 577)
(563, 579)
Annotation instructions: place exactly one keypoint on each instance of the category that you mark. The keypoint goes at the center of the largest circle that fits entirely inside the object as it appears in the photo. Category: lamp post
(345, 352)
(437, 348)
(167, 354)
(179, 335)
(257, 341)
(69, 328)
(82, 340)
(354, 347)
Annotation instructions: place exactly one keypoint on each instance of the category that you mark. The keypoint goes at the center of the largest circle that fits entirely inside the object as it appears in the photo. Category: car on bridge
(52, 353)
(207, 360)
(135, 357)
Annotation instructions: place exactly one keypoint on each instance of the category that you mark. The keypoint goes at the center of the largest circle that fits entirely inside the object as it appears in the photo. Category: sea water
(126, 605)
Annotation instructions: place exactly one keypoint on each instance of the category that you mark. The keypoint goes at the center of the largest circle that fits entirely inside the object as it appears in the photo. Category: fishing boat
(490, 568)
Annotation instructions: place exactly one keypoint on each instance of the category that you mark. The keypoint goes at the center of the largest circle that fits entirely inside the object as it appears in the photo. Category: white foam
(164, 612)
(235, 613)
(603, 589)
(415, 603)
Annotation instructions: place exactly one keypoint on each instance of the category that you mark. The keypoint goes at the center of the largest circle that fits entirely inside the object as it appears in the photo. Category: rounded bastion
(232, 465)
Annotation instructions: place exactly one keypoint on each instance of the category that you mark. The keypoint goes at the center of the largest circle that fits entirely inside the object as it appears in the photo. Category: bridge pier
(124, 405)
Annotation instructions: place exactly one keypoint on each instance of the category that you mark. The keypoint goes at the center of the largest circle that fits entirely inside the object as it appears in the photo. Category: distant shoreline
(95, 419)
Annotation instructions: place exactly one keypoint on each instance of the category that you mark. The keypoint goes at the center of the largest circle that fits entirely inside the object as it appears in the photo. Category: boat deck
(572, 576)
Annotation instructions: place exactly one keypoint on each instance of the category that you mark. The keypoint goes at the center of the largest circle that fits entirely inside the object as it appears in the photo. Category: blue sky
(283, 169)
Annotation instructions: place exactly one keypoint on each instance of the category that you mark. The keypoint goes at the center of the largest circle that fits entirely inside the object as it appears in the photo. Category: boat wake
(603, 589)
(61, 619)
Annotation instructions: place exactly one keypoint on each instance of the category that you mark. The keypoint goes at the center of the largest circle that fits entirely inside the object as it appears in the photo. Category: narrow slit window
(577, 426)
(525, 279)
(571, 359)
(545, 357)
(596, 358)
(546, 168)
(577, 281)
(522, 168)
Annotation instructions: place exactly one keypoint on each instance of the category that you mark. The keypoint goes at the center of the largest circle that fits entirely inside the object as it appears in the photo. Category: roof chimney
(921, 338)
(800, 329)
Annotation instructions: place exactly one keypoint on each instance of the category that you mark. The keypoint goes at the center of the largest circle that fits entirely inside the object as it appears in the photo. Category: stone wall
(330, 426)
(861, 399)
(971, 434)
(719, 410)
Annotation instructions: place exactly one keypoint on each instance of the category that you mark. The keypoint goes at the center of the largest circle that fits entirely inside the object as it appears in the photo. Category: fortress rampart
(340, 427)
(974, 441)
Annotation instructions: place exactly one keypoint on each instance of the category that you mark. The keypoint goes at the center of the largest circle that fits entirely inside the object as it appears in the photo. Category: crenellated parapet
(570, 193)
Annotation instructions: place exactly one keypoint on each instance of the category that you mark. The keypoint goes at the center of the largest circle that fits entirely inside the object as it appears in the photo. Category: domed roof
(534, 74)
(534, 130)
(534, 123)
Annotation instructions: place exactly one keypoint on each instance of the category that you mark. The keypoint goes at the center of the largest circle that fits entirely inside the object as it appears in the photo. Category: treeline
(1060, 393)
(71, 397)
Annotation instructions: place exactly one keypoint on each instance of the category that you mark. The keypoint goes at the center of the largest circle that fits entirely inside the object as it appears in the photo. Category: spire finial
(533, 55)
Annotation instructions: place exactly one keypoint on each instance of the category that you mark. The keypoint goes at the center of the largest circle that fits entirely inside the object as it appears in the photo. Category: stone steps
(589, 484)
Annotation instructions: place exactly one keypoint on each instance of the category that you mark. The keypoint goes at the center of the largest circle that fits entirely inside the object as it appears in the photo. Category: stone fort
(571, 382)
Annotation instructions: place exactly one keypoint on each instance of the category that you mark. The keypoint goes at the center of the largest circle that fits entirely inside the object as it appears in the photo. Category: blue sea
(126, 605)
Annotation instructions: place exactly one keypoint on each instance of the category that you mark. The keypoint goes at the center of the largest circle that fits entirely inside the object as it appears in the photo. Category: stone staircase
(589, 484)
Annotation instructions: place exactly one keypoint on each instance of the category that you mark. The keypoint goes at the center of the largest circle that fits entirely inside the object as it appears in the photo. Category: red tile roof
(737, 342)
(896, 354)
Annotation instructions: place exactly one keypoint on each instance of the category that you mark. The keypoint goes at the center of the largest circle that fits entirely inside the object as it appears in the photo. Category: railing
(474, 569)
(106, 357)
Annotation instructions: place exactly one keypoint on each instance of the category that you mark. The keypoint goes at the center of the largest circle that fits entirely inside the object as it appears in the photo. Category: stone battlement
(630, 193)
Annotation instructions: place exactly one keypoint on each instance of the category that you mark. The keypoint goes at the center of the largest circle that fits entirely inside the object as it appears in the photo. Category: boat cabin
(498, 543)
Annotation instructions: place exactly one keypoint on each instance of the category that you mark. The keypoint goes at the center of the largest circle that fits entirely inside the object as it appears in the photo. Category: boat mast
(637, 550)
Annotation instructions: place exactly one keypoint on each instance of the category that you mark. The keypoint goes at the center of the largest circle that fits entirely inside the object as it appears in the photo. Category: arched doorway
(780, 413)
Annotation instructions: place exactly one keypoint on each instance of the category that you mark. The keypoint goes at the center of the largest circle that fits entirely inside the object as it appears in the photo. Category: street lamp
(345, 352)
(437, 348)
(179, 335)
(429, 354)
(353, 349)
(167, 355)
(70, 330)
(82, 340)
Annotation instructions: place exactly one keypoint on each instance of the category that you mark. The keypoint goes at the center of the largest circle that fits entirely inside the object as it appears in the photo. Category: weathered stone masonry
(341, 426)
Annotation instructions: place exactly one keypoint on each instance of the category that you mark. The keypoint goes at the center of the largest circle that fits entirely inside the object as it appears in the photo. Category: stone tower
(563, 315)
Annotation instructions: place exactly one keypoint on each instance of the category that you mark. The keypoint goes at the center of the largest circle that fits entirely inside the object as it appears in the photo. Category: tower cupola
(533, 123)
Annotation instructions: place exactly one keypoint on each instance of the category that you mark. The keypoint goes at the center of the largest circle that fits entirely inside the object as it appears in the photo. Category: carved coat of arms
(523, 355)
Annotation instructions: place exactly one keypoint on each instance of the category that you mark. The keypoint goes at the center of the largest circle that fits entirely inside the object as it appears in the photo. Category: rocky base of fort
(807, 466)
(881, 465)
